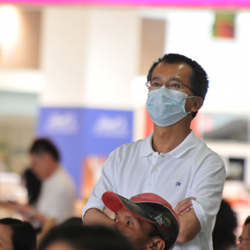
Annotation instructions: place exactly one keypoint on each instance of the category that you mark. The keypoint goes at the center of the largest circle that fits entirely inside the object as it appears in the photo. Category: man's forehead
(5, 227)
(177, 65)
(5, 231)
(177, 69)
(38, 156)
(248, 229)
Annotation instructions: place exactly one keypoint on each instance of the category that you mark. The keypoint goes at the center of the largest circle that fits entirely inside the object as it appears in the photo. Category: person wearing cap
(146, 219)
(172, 162)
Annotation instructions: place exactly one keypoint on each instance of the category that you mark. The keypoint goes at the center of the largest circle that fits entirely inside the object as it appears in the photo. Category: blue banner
(84, 136)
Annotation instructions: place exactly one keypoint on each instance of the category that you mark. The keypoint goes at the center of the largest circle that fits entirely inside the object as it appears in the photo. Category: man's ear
(155, 243)
(197, 102)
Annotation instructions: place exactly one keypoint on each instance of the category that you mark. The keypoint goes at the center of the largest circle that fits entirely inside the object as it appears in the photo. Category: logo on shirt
(178, 184)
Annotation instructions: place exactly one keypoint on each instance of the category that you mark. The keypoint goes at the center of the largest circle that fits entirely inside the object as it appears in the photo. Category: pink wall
(170, 3)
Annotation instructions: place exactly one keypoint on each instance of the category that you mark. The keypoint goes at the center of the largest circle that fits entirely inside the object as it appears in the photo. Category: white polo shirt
(57, 196)
(191, 169)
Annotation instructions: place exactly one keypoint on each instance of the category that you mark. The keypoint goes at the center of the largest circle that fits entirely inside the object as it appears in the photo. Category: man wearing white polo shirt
(172, 162)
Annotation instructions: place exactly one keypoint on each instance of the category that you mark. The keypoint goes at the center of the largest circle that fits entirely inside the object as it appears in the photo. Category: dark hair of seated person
(86, 237)
(33, 185)
(23, 234)
(225, 226)
(72, 221)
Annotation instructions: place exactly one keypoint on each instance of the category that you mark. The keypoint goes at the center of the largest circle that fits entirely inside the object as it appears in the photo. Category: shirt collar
(147, 146)
(188, 143)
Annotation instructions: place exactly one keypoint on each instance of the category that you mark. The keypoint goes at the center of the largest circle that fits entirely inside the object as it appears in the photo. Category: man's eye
(156, 84)
(115, 219)
(129, 223)
(175, 86)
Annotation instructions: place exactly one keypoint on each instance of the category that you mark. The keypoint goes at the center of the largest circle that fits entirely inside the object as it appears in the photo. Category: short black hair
(85, 237)
(247, 221)
(23, 234)
(198, 80)
(45, 145)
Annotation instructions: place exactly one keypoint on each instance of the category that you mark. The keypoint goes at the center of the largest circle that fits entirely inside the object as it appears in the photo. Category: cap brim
(116, 202)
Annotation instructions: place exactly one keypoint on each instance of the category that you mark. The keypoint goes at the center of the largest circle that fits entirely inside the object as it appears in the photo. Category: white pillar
(89, 56)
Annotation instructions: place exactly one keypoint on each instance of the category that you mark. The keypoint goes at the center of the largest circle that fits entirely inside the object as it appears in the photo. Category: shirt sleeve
(207, 186)
(105, 183)
(200, 213)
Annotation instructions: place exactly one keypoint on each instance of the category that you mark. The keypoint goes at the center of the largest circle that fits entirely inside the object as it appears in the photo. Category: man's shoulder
(201, 145)
(135, 145)
(62, 176)
(202, 152)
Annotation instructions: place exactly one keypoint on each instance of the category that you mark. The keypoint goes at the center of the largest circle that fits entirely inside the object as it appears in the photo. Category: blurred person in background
(51, 192)
(57, 196)
(224, 230)
(173, 162)
(81, 237)
(16, 235)
(146, 219)
(244, 239)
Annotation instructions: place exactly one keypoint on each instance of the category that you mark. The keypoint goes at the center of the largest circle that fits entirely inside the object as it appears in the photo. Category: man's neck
(166, 139)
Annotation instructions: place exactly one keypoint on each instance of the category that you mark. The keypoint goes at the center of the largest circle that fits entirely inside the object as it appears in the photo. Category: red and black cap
(148, 207)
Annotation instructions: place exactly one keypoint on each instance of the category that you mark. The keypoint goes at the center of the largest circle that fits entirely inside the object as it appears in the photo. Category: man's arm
(199, 214)
(189, 227)
(189, 223)
(96, 216)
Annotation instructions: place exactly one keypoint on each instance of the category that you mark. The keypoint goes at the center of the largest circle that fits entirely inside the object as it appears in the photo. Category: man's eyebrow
(169, 80)
(175, 79)
(131, 217)
(156, 78)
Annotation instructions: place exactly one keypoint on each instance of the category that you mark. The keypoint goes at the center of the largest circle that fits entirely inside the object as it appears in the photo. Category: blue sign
(106, 130)
(82, 132)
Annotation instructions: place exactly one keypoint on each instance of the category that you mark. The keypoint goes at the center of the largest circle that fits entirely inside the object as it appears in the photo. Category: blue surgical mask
(166, 106)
